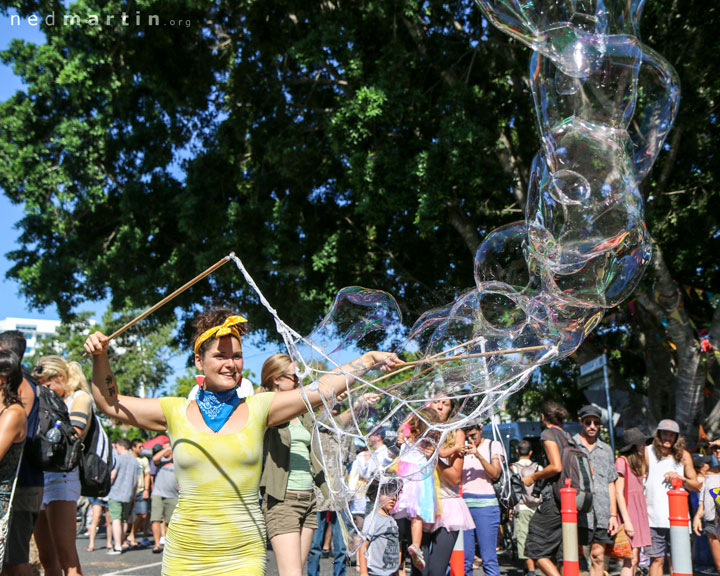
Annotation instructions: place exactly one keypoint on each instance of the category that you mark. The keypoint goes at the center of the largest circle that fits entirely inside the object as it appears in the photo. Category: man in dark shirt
(29, 489)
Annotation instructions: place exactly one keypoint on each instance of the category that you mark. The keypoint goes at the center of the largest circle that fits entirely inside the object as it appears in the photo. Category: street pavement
(145, 563)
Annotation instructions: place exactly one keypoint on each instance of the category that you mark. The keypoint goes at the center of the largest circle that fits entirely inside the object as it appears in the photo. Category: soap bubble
(605, 104)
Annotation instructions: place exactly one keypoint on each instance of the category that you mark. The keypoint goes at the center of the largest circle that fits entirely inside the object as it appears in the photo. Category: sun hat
(632, 437)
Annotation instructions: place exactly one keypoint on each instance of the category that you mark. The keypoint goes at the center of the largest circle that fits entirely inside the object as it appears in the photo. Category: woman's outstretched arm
(140, 412)
(288, 405)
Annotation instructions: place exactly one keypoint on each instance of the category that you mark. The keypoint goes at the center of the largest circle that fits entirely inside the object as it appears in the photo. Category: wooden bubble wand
(169, 297)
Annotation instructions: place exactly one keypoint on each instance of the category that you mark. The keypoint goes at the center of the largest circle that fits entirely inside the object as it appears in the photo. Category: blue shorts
(141, 505)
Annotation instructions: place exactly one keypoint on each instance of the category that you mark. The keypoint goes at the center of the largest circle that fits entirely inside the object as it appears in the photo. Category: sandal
(416, 556)
(90, 549)
(157, 549)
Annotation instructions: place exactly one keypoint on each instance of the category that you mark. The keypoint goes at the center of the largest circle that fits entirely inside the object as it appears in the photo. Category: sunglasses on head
(38, 369)
(294, 377)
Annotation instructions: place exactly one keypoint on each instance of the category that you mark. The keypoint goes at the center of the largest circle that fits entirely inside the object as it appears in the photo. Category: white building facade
(33, 330)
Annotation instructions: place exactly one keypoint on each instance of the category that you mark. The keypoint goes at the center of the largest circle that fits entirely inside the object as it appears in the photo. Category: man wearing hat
(667, 459)
(599, 526)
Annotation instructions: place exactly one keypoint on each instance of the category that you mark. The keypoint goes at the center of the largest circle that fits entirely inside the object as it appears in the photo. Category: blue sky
(11, 302)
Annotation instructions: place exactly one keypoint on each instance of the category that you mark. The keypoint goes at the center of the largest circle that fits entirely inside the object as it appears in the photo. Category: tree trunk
(665, 306)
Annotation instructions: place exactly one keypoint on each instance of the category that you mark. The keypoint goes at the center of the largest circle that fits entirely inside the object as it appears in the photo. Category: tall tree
(327, 143)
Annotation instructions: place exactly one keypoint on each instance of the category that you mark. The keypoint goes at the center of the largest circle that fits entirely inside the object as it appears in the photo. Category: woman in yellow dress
(217, 528)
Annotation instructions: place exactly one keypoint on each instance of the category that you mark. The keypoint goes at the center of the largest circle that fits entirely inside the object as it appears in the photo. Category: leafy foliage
(327, 144)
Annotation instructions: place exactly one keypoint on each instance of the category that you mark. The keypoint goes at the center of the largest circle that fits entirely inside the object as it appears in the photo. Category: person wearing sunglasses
(598, 527)
(290, 473)
(217, 528)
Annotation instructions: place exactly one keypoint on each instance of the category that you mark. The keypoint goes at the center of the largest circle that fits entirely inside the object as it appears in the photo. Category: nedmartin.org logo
(97, 20)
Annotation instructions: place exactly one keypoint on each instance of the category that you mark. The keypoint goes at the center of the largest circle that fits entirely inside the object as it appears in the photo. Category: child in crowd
(379, 555)
(708, 507)
(418, 500)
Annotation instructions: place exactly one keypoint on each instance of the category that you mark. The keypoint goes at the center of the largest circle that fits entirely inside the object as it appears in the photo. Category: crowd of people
(240, 470)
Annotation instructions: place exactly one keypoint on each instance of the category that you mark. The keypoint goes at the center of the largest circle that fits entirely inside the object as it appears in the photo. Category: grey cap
(669, 426)
(590, 410)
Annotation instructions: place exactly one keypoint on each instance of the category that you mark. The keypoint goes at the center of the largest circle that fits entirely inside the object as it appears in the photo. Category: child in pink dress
(418, 499)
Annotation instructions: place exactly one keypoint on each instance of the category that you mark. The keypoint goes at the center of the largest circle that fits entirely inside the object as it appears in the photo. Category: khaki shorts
(298, 510)
(162, 507)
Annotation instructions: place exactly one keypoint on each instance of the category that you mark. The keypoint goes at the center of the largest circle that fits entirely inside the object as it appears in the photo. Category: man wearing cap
(599, 526)
(667, 459)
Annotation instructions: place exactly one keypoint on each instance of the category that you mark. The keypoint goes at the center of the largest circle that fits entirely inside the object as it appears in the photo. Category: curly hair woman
(217, 528)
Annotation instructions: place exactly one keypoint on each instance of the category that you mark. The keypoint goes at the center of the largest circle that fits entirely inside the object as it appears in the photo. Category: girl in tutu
(418, 500)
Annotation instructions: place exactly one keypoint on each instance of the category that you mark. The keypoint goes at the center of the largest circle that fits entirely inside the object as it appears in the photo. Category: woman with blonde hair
(290, 473)
(55, 528)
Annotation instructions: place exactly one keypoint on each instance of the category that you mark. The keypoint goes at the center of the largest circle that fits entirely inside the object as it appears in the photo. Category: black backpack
(576, 466)
(60, 456)
(96, 461)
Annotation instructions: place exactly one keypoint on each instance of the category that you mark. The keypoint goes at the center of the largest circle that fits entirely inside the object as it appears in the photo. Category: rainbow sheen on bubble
(542, 284)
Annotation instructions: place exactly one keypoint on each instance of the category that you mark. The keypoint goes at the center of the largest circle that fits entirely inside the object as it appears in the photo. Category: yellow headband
(227, 328)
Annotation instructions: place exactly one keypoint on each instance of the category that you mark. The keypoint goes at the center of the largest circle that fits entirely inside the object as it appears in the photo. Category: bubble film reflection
(542, 284)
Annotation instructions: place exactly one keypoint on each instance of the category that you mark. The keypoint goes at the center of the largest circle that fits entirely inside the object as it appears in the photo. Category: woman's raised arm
(140, 412)
(288, 405)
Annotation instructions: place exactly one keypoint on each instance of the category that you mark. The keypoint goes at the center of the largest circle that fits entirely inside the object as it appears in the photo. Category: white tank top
(656, 488)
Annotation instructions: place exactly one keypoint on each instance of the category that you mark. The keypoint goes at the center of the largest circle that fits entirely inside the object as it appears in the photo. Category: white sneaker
(115, 551)
(162, 541)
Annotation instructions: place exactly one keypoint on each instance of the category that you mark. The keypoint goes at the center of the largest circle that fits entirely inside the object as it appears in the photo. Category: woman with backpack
(217, 528)
(632, 467)
(55, 529)
(13, 429)
(544, 539)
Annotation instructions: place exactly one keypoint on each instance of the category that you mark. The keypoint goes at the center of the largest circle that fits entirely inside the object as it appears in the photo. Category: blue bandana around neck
(217, 407)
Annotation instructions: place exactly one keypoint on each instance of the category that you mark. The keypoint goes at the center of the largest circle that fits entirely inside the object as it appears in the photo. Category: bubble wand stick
(169, 297)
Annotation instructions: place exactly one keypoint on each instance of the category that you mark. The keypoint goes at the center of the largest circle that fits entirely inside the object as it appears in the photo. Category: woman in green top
(290, 473)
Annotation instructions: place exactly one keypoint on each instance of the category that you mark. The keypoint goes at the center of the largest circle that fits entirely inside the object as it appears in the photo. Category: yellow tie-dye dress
(217, 528)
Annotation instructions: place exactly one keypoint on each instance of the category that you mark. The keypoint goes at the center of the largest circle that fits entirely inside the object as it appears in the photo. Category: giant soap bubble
(542, 284)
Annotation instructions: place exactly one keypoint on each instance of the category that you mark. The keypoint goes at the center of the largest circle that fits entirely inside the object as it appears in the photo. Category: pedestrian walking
(598, 527)
(631, 467)
(667, 459)
(524, 466)
(29, 488)
(55, 529)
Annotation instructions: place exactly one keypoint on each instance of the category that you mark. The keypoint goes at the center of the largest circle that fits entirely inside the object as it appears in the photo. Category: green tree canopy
(328, 144)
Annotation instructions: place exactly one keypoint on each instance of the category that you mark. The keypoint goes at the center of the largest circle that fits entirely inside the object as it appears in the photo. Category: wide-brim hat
(633, 437)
